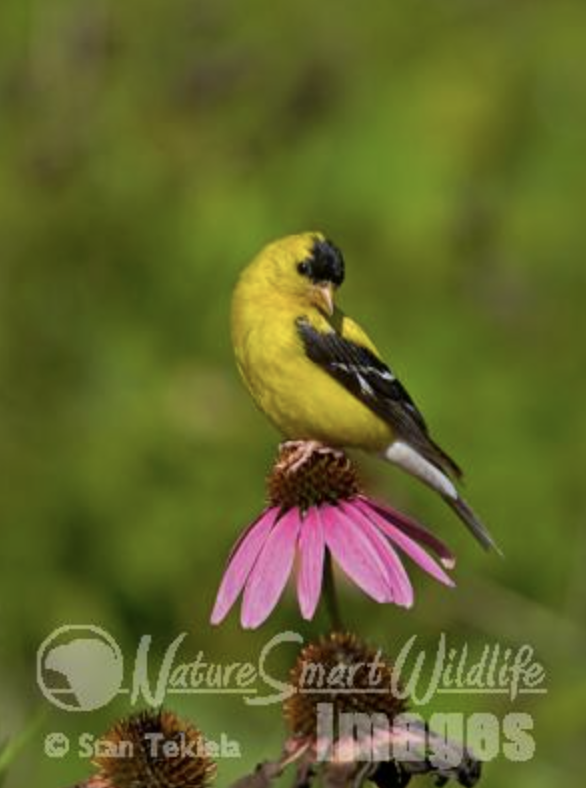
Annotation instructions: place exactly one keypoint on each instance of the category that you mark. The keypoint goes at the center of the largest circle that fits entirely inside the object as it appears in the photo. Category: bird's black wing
(370, 380)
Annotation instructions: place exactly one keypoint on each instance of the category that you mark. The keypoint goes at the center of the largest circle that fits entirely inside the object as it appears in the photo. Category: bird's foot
(300, 452)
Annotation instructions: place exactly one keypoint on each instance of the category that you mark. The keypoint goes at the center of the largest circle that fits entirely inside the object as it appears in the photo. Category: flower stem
(331, 596)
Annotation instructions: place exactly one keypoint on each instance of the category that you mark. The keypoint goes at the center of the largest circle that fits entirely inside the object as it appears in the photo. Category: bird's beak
(323, 297)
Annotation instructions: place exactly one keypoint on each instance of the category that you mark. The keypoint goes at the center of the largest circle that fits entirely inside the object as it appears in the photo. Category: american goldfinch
(318, 377)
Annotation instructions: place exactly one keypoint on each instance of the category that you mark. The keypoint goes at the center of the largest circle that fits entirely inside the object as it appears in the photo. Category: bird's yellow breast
(302, 400)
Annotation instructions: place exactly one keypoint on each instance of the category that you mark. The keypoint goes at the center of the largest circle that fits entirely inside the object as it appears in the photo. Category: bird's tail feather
(408, 458)
(473, 523)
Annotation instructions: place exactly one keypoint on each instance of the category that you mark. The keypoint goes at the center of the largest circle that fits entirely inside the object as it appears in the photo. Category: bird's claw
(300, 452)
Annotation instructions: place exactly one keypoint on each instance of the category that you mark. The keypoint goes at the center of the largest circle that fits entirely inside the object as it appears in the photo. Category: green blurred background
(147, 151)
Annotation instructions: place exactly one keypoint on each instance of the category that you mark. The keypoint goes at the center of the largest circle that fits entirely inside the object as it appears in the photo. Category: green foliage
(148, 150)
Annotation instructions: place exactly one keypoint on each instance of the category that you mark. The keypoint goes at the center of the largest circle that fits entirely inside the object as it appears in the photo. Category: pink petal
(241, 561)
(355, 554)
(415, 530)
(397, 577)
(411, 548)
(243, 534)
(271, 571)
(311, 562)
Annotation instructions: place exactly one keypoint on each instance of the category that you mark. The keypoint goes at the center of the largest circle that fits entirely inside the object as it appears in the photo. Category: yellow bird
(318, 377)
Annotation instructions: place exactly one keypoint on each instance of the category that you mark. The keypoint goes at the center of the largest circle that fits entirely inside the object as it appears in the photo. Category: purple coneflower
(317, 509)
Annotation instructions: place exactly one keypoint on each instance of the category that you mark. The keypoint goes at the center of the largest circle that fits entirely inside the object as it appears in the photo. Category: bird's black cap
(325, 264)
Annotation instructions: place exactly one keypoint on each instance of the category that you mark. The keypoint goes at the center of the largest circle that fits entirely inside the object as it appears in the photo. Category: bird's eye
(303, 269)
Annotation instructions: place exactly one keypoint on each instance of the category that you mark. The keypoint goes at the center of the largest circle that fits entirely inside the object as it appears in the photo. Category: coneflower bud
(367, 734)
(340, 670)
(152, 749)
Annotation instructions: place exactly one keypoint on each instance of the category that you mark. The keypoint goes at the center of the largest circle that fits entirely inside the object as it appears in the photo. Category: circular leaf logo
(79, 667)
